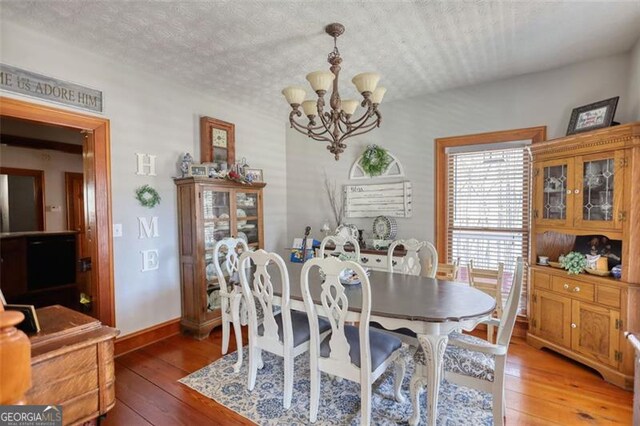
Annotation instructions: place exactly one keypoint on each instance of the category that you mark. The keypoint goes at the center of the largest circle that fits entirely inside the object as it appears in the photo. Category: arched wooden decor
(394, 170)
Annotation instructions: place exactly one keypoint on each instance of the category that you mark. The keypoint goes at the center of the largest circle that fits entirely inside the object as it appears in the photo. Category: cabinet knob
(576, 191)
(364, 259)
(569, 192)
(573, 325)
(576, 289)
(566, 286)
(378, 260)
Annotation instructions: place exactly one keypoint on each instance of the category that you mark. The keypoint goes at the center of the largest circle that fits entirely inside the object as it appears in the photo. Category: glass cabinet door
(553, 202)
(247, 218)
(216, 226)
(600, 180)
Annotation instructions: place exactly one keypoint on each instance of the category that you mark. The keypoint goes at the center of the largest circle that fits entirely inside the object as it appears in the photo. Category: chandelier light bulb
(378, 94)
(310, 108)
(349, 106)
(366, 81)
(320, 80)
(294, 95)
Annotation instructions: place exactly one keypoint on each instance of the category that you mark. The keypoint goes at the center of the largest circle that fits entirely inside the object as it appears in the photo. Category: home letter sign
(150, 261)
(146, 229)
(150, 163)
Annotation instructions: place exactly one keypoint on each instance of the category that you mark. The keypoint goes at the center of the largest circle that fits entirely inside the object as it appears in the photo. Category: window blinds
(488, 210)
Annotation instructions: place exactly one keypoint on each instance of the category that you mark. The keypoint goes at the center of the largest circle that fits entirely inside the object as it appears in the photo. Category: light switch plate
(117, 230)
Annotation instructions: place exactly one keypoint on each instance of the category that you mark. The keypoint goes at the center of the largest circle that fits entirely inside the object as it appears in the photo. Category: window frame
(534, 134)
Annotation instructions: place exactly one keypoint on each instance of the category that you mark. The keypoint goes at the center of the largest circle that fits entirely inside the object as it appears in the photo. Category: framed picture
(217, 141)
(593, 116)
(199, 170)
(30, 323)
(254, 175)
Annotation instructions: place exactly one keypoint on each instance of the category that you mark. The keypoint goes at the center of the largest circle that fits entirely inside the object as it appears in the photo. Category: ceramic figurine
(187, 160)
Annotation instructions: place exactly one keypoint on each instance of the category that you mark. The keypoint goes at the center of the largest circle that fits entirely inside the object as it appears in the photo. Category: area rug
(339, 400)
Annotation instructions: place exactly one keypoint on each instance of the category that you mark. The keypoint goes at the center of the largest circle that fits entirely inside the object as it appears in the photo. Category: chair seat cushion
(469, 362)
(382, 346)
(300, 326)
(466, 362)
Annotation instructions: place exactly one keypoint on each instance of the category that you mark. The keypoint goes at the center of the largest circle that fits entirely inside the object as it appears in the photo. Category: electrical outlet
(117, 230)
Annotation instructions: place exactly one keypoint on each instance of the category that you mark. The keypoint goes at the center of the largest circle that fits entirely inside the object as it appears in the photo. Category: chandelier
(337, 125)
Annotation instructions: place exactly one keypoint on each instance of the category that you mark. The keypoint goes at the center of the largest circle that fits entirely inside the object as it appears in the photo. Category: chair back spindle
(339, 242)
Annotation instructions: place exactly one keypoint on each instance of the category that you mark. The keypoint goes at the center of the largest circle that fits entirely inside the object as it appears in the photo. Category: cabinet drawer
(541, 280)
(577, 289)
(608, 296)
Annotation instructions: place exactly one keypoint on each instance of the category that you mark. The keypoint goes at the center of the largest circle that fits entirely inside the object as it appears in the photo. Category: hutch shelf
(210, 210)
(583, 187)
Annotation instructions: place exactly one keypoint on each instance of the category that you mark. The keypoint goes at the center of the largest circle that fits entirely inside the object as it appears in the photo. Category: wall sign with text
(17, 80)
(388, 199)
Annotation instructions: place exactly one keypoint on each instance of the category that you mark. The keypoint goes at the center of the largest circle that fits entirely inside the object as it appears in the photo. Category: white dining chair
(286, 333)
(488, 281)
(476, 363)
(227, 264)
(339, 242)
(410, 263)
(358, 353)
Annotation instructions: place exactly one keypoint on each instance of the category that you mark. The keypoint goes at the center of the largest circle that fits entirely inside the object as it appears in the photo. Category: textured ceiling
(250, 50)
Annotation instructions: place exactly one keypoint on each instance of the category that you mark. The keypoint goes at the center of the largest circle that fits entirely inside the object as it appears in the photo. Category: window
(483, 210)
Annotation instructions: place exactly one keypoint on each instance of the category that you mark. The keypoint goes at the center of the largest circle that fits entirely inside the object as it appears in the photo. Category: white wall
(154, 116)
(634, 83)
(54, 164)
(409, 128)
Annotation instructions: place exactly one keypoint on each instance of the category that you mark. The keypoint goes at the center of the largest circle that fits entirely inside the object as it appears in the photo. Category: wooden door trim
(38, 175)
(535, 134)
(100, 157)
(67, 178)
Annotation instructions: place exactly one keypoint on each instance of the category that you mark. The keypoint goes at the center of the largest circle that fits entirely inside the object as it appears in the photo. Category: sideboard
(72, 364)
(372, 258)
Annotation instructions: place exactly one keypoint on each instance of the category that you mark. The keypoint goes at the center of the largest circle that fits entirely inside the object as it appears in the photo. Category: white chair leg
(498, 408)
(253, 367)
(260, 361)
(490, 333)
(417, 383)
(315, 377)
(400, 367)
(365, 404)
(225, 335)
(235, 313)
(288, 380)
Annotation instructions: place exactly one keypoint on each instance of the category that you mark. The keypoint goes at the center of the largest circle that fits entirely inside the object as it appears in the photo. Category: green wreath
(375, 160)
(147, 196)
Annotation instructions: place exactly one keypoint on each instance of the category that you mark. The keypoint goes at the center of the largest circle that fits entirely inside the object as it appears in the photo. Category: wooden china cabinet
(587, 185)
(210, 210)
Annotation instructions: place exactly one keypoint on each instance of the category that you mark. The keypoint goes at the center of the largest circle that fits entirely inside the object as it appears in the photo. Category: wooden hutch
(210, 210)
(587, 185)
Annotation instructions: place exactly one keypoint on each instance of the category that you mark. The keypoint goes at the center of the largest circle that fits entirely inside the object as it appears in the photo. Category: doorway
(95, 226)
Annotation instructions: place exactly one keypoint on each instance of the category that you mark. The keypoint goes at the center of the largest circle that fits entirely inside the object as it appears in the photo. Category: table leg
(433, 346)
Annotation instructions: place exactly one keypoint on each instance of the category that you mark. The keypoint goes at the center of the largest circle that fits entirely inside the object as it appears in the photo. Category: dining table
(431, 308)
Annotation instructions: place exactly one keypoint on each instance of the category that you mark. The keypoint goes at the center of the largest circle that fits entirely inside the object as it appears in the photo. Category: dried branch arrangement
(336, 200)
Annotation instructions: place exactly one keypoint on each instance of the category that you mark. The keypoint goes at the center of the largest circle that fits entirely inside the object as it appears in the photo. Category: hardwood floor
(542, 388)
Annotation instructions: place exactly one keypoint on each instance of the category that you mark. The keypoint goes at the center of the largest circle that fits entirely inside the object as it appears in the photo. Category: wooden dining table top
(401, 296)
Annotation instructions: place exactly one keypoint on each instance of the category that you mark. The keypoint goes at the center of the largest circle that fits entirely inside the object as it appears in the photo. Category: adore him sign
(28, 83)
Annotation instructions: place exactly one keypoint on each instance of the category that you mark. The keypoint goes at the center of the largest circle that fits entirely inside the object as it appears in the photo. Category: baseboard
(147, 336)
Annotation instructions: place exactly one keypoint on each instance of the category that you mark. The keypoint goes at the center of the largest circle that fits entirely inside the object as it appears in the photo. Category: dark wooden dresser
(72, 364)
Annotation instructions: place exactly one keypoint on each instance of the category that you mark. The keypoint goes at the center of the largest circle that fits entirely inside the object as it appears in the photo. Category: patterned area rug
(339, 401)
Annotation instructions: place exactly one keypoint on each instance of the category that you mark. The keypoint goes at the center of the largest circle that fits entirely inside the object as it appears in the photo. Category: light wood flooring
(542, 388)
